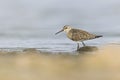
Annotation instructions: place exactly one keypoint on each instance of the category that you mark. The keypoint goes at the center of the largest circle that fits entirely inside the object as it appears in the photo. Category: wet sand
(102, 63)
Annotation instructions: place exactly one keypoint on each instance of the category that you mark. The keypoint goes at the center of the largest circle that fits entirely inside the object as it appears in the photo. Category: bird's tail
(98, 36)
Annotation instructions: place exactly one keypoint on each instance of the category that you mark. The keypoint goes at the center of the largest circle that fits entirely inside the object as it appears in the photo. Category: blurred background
(24, 22)
(41, 18)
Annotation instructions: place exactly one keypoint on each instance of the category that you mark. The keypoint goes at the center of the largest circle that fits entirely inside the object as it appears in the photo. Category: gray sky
(40, 13)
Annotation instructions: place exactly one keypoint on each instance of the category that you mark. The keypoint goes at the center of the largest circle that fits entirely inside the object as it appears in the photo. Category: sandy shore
(30, 64)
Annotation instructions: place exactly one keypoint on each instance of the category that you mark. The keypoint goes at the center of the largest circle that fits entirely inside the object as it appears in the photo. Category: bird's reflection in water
(87, 49)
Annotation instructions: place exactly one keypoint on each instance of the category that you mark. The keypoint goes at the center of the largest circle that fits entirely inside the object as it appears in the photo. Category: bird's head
(66, 28)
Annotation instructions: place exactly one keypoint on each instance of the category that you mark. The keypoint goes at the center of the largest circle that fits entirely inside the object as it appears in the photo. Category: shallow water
(51, 45)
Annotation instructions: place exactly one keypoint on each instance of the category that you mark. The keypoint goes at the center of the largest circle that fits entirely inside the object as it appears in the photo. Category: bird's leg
(77, 46)
(83, 44)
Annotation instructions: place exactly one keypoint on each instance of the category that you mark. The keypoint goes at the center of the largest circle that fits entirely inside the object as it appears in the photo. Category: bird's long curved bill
(59, 32)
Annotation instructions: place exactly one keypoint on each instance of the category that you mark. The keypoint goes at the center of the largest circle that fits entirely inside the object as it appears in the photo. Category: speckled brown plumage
(79, 35)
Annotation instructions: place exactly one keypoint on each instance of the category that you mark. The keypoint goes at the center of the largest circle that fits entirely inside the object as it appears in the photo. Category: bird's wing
(80, 35)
